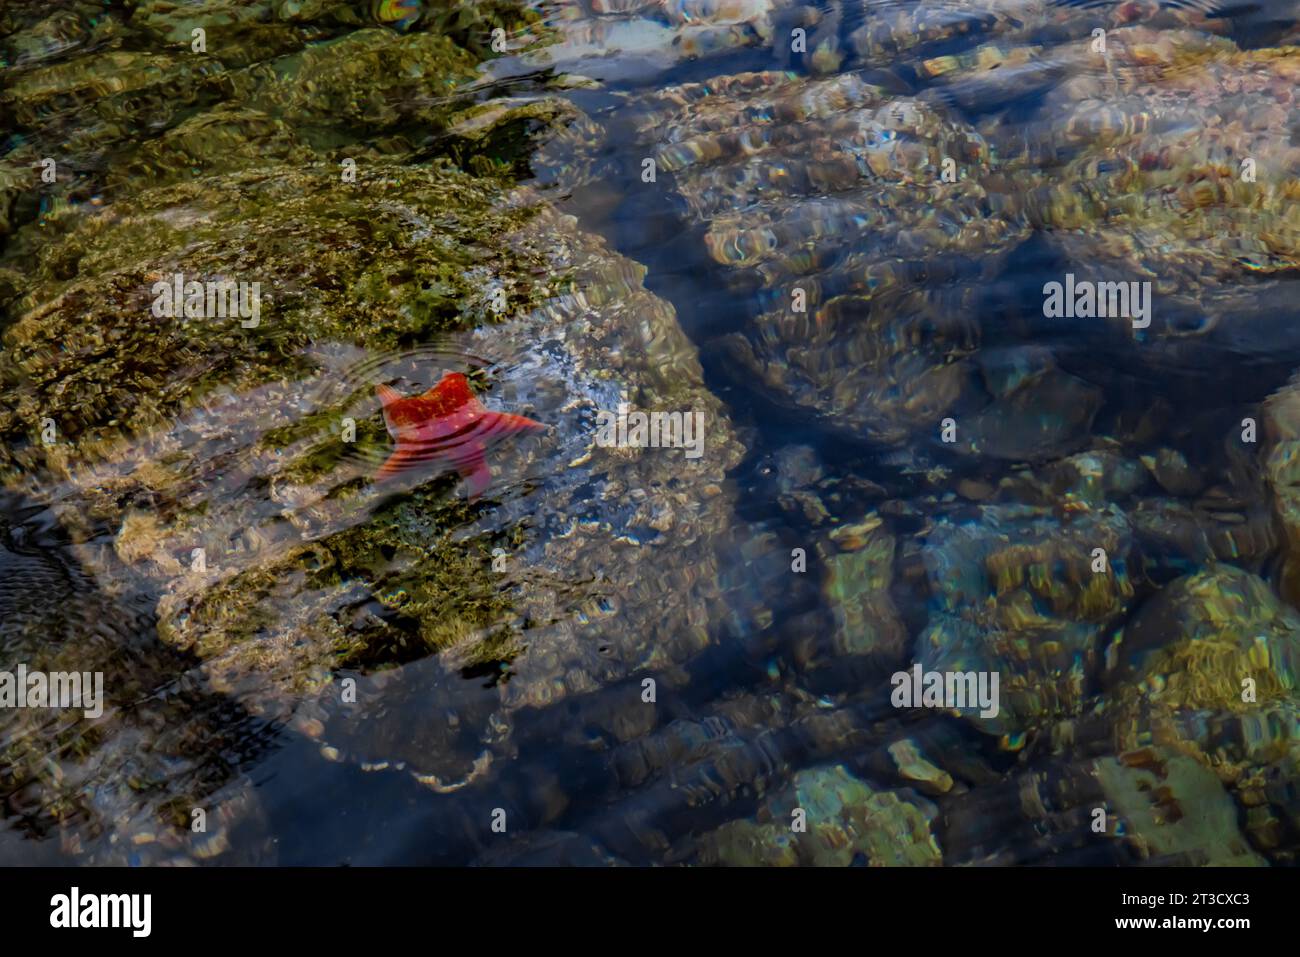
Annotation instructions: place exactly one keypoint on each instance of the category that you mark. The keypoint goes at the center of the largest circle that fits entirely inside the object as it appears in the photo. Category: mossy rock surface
(179, 434)
(142, 437)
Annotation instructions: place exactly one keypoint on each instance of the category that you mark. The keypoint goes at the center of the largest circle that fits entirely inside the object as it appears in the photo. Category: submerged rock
(187, 452)
(1095, 478)
(934, 37)
(1152, 807)
(1038, 413)
(87, 114)
(831, 195)
(785, 172)
(896, 31)
(1199, 641)
(847, 822)
(1281, 425)
(1168, 169)
(214, 474)
(1206, 670)
(239, 32)
(866, 637)
(123, 775)
(1177, 538)
(33, 35)
(141, 107)
(1021, 593)
(177, 435)
(631, 39)
(881, 368)
(367, 80)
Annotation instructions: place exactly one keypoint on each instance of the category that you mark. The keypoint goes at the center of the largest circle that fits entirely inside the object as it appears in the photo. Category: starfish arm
(403, 458)
(503, 423)
(473, 468)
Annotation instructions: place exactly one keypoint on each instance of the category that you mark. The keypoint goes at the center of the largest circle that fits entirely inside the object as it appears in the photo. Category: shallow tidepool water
(975, 321)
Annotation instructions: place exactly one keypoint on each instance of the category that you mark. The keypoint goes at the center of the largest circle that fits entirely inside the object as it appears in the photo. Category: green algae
(307, 571)
(472, 23)
(406, 558)
(368, 80)
(141, 107)
(218, 165)
(88, 352)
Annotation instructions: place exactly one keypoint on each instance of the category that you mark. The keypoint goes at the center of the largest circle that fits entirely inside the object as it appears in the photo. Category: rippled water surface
(981, 314)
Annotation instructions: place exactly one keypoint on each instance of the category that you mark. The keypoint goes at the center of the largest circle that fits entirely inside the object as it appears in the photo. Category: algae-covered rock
(143, 105)
(371, 79)
(115, 778)
(177, 435)
(847, 822)
(238, 32)
(151, 434)
(1204, 671)
(121, 367)
(99, 81)
(224, 138)
(1164, 168)
(1167, 169)
(1026, 595)
(34, 34)
(79, 118)
(1201, 638)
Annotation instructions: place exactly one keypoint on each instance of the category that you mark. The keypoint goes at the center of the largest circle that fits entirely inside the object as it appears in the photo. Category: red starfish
(446, 424)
